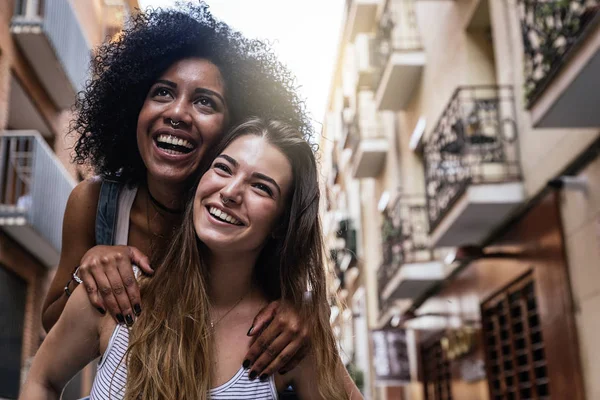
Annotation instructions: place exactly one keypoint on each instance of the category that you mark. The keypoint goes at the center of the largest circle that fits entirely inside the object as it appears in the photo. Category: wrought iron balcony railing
(550, 29)
(404, 237)
(397, 31)
(474, 142)
(34, 188)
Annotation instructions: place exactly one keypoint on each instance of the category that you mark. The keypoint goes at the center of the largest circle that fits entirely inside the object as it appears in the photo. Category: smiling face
(184, 113)
(242, 196)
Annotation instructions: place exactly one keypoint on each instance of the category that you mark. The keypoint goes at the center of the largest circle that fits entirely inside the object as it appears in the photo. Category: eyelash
(157, 90)
(210, 101)
(222, 167)
(167, 92)
(264, 188)
(259, 186)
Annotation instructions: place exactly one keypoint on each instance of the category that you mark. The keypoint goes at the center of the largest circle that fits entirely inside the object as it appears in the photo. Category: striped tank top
(109, 383)
(112, 375)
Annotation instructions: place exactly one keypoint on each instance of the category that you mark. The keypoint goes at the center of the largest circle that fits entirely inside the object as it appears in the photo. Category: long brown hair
(170, 345)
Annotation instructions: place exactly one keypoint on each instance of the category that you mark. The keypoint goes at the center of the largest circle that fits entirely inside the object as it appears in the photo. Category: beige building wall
(581, 224)
(474, 42)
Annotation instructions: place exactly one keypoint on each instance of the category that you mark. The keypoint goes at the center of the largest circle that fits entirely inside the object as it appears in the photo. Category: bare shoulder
(85, 195)
(80, 214)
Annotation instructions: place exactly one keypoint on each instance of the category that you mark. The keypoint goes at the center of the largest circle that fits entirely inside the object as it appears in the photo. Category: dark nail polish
(253, 375)
(129, 319)
(263, 377)
(101, 310)
(120, 318)
(246, 364)
(250, 331)
(137, 309)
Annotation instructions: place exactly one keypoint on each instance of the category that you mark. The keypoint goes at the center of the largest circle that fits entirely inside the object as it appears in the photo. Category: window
(514, 347)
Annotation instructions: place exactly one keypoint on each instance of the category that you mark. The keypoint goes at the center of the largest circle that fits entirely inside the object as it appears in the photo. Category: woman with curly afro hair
(160, 96)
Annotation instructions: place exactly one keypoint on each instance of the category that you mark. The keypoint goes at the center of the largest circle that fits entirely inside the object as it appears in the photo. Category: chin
(171, 176)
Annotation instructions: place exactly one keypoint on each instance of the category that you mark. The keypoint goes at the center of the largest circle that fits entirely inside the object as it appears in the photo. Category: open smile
(173, 145)
(173, 142)
(223, 216)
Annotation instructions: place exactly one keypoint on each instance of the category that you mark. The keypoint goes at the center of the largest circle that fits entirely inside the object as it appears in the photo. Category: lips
(225, 216)
(174, 144)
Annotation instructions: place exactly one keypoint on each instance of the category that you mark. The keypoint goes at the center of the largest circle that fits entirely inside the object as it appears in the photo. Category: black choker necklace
(162, 206)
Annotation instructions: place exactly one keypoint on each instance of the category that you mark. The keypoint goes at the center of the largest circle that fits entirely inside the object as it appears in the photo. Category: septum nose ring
(173, 123)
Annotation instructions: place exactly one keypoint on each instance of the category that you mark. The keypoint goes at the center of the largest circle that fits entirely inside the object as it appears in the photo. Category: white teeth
(223, 216)
(169, 139)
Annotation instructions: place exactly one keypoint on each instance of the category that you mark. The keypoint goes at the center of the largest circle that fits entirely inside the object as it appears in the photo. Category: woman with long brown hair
(250, 234)
(159, 97)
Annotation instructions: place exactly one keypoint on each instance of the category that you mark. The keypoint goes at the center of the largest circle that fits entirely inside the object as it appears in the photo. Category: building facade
(45, 49)
(460, 157)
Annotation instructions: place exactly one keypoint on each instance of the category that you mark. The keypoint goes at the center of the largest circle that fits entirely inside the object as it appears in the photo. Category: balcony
(409, 267)
(52, 40)
(561, 40)
(361, 17)
(399, 56)
(365, 46)
(472, 169)
(34, 188)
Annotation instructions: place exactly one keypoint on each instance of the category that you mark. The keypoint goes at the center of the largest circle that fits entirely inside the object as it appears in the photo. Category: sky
(304, 35)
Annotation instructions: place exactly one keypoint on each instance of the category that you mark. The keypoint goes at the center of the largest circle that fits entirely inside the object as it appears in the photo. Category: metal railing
(404, 237)
(474, 142)
(397, 31)
(551, 28)
(34, 185)
(59, 23)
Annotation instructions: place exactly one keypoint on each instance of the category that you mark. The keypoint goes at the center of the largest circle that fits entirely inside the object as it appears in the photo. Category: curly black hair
(123, 70)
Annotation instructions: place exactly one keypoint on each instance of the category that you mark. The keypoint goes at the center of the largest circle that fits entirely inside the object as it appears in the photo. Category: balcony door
(13, 292)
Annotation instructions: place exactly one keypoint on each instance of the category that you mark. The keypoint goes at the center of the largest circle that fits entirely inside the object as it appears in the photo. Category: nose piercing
(173, 123)
(224, 199)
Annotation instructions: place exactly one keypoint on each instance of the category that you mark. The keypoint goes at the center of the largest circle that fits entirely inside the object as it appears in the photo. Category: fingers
(275, 354)
(115, 268)
(108, 276)
(89, 283)
(105, 290)
(263, 318)
(261, 342)
(140, 259)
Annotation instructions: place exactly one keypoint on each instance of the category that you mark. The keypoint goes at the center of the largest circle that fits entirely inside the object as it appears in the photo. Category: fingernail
(120, 318)
(137, 309)
(101, 310)
(250, 331)
(246, 364)
(129, 319)
(253, 375)
(263, 377)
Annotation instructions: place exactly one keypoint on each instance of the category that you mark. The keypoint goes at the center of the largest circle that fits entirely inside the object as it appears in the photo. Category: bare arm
(78, 237)
(70, 346)
(304, 376)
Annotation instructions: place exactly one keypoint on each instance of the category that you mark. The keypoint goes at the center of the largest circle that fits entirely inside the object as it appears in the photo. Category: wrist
(73, 283)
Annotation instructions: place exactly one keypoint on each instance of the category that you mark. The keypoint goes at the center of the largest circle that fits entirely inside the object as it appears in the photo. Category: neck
(231, 277)
(167, 194)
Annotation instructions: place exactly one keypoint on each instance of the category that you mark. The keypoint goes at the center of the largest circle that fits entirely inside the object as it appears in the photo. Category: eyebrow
(197, 90)
(255, 174)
